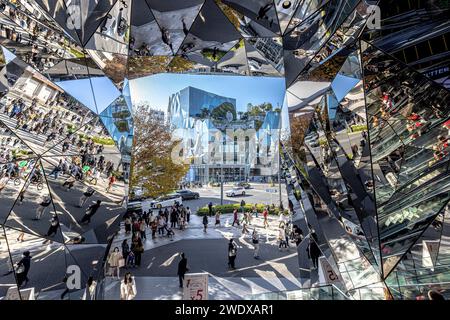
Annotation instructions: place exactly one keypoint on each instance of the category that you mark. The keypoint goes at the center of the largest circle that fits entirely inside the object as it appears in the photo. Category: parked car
(134, 206)
(188, 194)
(166, 201)
(244, 185)
(236, 191)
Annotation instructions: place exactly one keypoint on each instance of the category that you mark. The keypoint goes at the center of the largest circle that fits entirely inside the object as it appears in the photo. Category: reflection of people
(54, 224)
(91, 210)
(3, 182)
(46, 201)
(69, 183)
(88, 193)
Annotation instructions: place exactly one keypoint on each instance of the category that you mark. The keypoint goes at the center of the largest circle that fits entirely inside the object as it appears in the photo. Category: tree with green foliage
(152, 167)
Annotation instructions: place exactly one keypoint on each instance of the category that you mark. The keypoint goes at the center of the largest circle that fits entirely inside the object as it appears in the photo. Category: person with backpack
(205, 222)
(255, 241)
(86, 195)
(232, 253)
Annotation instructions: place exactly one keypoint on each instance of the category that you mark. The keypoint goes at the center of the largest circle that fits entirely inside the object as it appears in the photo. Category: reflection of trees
(144, 66)
(116, 68)
(220, 112)
(327, 71)
(231, 14)
(299, 126)
(180, 64)
(151, 166)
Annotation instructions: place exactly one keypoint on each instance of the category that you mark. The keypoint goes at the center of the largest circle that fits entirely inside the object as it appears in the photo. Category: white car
(166, 201)
(237, 191)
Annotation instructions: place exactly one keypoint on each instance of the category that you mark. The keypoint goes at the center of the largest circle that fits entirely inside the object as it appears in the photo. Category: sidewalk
(227, 288)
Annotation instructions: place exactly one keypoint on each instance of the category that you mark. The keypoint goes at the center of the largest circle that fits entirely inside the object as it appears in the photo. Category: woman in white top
(89, 292)
(128, 287)
(114, 261)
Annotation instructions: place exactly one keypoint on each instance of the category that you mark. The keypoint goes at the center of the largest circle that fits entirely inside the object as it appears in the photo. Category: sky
(157, 89)
(105, 92)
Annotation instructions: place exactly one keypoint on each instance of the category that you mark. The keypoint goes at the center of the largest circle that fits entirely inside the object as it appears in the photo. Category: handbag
(20, 268)
(121, 262)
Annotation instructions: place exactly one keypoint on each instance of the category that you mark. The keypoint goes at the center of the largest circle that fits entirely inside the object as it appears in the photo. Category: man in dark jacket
(313, 249)
(210, 208)
(182, 269)
(92, 209)
(23, 266)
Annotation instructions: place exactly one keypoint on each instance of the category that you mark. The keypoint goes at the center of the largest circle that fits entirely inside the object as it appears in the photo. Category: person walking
(210, 208)
(21, 237)
(265, 216)
(91, 210)
(89, 292)
(138, 250)
(128, 287)
(282, 238)
(142, 228)
(111, 181)
(127, 225)
(217, 218)
(244, 228)
(53, 229)
(188, 215)
(232, 252)
(242, 206)
(154, 227)
(255, 212)
(22, 268)
(255, 241)
(205, 222)
(182, 269)
(86, 195)
(125, 251)
(235, 218)
(113, 261)
(46, 201)
(313, 250)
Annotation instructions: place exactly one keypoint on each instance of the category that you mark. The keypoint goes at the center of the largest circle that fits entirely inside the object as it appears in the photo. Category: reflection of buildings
(217, 142)
(117, 119)
(272, 50)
